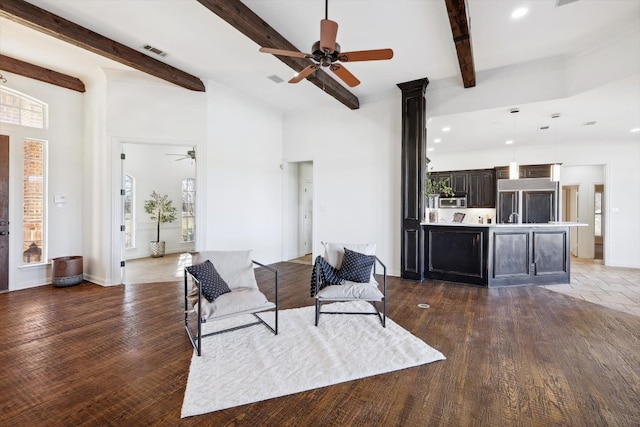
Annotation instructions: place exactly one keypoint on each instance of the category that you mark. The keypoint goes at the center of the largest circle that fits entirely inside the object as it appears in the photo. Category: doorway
(579, 191)
(168, 170)
(299, 211)
(570, 212)
(4, 213)
(598, 221)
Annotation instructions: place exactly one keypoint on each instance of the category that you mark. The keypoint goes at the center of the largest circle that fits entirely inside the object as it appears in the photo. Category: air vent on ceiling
(544, 127)
(155, 50)
(275, 79)
(563, 2)
(590, 123)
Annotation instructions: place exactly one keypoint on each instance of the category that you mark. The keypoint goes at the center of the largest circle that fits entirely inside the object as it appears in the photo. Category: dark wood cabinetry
(526, 171)
(529, 255)
(482, 188)
(497, 255)
(459, 182)
(479, 185)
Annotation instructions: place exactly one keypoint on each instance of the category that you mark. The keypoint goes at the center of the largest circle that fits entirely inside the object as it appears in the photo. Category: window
(19, 109)
(33, 187)
(598, 211)
(129, 212)
(188, 227)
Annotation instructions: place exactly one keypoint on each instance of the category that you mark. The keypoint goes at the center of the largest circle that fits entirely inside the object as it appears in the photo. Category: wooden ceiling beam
(55, 26)
(459, 22)
(46, 75)
(251, 25)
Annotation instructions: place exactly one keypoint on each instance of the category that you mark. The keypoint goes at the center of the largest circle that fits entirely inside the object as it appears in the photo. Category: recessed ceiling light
(437, 140)
(635, 130)
(509, 141)
(430, 149)
(519, 13)
(446, 129)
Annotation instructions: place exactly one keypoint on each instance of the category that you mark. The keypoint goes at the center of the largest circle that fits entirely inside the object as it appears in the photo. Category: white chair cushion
(235, 267)
(349, 290)
(240, 300)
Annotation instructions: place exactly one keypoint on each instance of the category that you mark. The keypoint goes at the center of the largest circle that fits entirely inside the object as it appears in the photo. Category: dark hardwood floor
(94, 356)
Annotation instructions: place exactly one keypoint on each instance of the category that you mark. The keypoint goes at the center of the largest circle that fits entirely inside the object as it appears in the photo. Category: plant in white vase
(161, 210)
(434, 188)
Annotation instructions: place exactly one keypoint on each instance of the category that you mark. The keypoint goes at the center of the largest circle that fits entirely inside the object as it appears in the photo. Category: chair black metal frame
(382, 315)
(196, 340)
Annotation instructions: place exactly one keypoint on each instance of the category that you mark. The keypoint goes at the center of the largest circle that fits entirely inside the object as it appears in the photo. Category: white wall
(128, 107)
(356, 173)
(243, 184)
(64, 177)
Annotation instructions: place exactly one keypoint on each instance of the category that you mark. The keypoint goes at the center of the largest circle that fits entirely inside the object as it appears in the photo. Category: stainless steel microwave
(453, 202)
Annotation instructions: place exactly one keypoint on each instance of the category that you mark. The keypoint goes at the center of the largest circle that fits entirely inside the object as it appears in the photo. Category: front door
(4, 212)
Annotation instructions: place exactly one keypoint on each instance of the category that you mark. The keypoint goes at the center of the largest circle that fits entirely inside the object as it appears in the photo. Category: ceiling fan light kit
(326, 53)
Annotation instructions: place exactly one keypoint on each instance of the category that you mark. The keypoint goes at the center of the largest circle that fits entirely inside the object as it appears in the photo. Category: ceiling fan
(326, 53)
(191, 154)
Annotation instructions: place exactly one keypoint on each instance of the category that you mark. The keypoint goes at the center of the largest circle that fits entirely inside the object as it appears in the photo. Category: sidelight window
(188, 227)
(34, 207)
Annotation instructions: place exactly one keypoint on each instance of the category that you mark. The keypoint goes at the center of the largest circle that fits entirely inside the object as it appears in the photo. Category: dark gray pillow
(356, 267)
(212, 284)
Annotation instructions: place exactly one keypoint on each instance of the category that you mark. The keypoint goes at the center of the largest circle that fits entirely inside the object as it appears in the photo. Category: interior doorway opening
(583, 200)
(299, 208)
(598, 221)
(166, 169)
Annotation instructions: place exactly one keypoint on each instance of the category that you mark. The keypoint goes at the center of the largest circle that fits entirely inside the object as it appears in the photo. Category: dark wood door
(4, 212)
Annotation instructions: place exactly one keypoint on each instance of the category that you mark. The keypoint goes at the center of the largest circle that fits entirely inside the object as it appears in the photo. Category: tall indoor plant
(160, 209)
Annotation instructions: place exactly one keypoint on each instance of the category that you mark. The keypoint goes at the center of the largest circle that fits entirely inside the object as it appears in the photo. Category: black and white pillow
(356, 267)
(213, 285)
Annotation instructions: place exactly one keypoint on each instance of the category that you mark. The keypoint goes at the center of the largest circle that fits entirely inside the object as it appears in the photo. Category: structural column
(414, 158)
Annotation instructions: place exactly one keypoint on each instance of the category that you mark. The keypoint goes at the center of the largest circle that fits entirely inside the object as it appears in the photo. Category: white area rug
(252, 364)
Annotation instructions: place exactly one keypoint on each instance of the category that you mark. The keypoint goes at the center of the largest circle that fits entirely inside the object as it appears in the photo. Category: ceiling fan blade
(328, 34)
(345, 75)
(304, 73)
(281, 52)
(366, 55)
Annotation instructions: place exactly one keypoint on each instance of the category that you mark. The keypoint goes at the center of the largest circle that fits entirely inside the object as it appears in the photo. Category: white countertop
(544, 224)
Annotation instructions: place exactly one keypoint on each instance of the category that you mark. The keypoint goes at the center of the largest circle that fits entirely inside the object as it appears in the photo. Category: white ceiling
(200, 43)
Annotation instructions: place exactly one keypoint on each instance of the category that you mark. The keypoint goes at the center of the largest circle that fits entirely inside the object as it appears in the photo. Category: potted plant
(160, 209)
(433, 189)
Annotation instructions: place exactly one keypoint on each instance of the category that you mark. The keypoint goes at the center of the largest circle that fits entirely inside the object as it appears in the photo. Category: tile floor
(613, 287)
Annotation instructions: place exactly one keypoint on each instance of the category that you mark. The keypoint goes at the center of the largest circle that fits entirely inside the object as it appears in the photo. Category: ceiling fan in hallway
(327, 53)
(191, 154)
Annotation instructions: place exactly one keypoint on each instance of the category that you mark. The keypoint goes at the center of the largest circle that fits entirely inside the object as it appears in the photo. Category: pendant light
(514, 167)
(555, 167)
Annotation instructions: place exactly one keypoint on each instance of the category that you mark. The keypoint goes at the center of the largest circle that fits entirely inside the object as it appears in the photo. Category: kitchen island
(495, 255)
